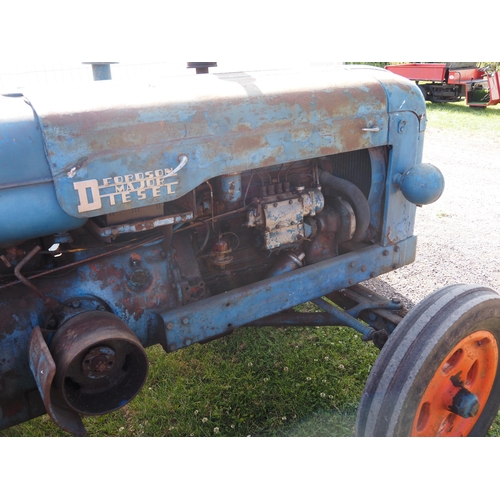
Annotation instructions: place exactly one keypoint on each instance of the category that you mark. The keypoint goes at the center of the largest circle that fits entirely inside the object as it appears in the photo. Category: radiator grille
(355, 167)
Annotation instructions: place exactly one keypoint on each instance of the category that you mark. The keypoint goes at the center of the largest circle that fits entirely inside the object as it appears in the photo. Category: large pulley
(94, 365)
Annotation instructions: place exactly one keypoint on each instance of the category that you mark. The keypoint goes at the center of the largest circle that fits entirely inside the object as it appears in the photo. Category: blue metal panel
(399, 218)
(221, 313)
(22, 155)
(28, 203)
(110, 149)
(32, 211)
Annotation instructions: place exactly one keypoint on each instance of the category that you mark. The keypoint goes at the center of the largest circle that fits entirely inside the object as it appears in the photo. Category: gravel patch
(459, 235)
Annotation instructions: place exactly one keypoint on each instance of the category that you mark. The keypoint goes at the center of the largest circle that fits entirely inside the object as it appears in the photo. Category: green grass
(258, 382)
(457, 116)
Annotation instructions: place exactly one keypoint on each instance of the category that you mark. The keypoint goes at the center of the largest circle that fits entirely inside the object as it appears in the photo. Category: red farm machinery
(452, 81)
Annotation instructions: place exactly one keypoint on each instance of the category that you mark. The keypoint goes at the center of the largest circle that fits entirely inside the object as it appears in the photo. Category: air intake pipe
(355, 197)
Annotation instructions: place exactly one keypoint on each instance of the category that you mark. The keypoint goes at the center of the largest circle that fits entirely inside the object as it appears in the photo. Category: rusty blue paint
(216, 315)
(112, 132)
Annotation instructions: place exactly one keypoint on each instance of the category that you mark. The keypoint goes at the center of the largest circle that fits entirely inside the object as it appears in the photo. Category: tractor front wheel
(439, 373)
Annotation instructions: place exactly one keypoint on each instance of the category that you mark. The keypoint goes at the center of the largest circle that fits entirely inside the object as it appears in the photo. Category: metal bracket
(43, 367)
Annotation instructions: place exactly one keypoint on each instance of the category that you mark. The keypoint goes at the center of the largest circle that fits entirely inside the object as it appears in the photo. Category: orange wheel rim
(459, 389)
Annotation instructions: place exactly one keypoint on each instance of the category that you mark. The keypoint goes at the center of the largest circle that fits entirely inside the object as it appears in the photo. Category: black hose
(355, 197)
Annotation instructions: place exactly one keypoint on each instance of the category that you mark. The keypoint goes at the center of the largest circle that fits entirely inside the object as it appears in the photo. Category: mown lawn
(457, 116)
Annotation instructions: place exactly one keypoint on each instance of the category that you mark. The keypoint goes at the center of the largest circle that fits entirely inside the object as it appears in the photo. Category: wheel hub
(98, 362)
(465, 404)
(457, 393)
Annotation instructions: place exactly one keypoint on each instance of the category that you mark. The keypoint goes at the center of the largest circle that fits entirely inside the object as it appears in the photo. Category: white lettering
(170, 190)
(83, 188)
(144, 185)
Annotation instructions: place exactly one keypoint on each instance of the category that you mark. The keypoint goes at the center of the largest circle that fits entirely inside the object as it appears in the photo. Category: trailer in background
(452, 81)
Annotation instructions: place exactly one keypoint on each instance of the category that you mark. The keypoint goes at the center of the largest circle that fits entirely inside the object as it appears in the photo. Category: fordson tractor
(176, 212)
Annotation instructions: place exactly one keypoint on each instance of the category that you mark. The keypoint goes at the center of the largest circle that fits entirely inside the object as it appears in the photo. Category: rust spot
(244, 145)
(243, 127)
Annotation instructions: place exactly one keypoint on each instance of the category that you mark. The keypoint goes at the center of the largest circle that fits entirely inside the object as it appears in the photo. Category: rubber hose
(355, 197)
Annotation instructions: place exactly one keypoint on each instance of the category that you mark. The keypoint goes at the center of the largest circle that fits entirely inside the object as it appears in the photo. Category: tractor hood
(113, 146)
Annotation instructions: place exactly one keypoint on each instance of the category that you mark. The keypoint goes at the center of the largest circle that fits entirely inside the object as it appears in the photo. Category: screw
(75, 304)
(170, 326)
(385, 253)
(185, 320)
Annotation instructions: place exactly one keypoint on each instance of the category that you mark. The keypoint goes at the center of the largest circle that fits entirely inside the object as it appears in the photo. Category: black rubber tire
(423, 89)
(416, 349)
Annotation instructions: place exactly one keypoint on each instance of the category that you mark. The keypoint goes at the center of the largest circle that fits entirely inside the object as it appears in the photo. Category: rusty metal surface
(139, 226)
(216, 315)
(130, 281)
(43, 368)
(101, 364)
(119, 142)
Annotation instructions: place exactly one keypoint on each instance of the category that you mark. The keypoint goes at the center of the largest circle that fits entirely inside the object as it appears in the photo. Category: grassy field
(259, 382)
(457, 116)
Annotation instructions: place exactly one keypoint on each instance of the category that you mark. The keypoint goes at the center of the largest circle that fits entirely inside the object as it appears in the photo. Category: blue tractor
(176, 212)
